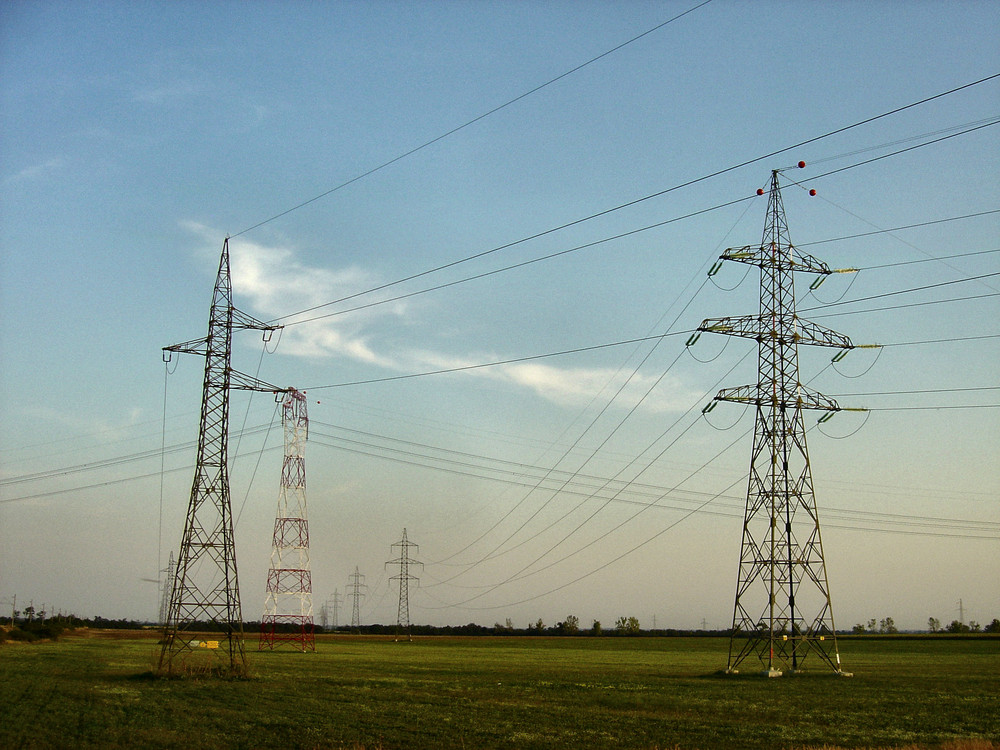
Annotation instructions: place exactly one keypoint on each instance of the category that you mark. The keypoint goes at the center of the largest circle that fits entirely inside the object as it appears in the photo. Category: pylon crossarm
(196, 346)
(802, 398)
(242, 382)
(792, 330)
(242, 320)
(792, 258)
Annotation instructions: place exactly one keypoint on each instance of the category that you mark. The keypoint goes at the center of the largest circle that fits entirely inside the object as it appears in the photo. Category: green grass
(501, 693)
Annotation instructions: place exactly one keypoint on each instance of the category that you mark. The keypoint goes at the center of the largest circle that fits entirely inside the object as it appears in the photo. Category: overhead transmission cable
(549, 256)
(473, 120)
(595, 347)
(636, 201)
(572, 476)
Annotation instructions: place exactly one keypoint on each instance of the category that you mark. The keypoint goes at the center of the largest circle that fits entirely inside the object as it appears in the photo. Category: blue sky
(135, 137)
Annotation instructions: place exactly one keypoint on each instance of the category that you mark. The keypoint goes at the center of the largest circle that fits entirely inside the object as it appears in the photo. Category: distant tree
(871, 625)
(993, 627)
(974, 626)
(886, 625)
(509, 624)
(29, 612)
(957, 627)
(627, 625)
(569, 626)
(933, 624)
(596, 627)
(858, 629)
(539, 626)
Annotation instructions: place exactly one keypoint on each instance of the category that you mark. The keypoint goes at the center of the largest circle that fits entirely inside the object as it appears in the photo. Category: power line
(467, 463)
(640, 200)
(928, 260)
(903, 307)
(485, 274)
(896, 229)
(901, 291)
(531, 261)
(989, 124)
(474, 120)
(924, 390)
(596, 347)
(497, 363)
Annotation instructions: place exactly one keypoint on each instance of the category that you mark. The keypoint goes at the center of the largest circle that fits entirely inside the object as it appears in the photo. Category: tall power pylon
(356, 586)
(288, 608)
(205, 596)
(782, 613)
(404, 561)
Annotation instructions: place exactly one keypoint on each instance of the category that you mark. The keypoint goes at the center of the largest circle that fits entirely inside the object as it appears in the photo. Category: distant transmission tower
(288, 608)
(356, 585)
(404, 561)
(205, 599)
(782, 612)
(166, 586)
(336, 601)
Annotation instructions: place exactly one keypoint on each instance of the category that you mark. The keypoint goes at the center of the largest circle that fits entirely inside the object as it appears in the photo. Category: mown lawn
(506, 693)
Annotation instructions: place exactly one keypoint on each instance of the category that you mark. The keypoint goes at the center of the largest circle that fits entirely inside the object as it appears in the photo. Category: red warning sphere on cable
(760, 191)
(802, 164)
(812, 192)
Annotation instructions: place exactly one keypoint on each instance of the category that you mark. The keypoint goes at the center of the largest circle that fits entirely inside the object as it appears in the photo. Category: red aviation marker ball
(812, 192)
(802, 164)
(760, 191)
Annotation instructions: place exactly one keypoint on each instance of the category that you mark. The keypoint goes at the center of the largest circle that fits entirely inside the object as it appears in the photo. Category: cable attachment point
(692, 339)
(715, 268)
(817, 282)
(840, 355)
(709, 406)
(826, 417)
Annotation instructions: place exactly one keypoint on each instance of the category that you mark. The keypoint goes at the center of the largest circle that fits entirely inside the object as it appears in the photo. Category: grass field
(97, 692)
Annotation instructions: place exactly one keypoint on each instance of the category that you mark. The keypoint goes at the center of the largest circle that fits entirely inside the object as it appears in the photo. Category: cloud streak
(275, 281)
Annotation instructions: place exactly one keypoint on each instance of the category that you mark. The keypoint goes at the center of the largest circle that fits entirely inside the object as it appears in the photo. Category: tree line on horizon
(29, 625)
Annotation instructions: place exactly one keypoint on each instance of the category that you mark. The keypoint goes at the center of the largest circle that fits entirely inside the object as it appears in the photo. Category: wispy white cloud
(277, 283)
(36, 171)
(570, 386)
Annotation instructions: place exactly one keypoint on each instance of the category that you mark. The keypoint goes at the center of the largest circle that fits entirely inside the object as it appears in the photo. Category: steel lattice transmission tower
(204, 630)
(357, 583)
(404, 561)
(166, 586)
(336, 600)
(288, 608)
(782, 613)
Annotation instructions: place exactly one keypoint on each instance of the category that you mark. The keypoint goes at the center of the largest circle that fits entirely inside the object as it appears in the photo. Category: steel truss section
(288, 607)
(204, 624)
(404, 561)
(782, 613)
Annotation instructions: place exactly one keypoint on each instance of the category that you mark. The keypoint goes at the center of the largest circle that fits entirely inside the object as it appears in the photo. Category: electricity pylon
(336, 601)
(166, 585)
(404, 561)
(288, 608)
(205, 597)
(782, 612)
(357, 583)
